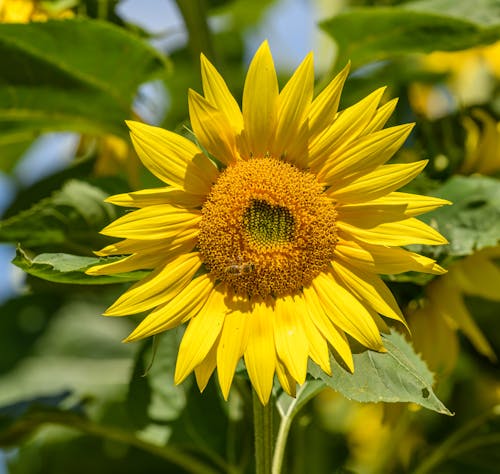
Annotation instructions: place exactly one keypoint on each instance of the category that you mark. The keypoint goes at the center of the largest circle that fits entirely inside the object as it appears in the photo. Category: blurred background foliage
(72, 397)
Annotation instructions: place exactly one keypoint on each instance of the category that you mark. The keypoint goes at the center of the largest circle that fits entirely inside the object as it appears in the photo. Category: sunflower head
(269, 242)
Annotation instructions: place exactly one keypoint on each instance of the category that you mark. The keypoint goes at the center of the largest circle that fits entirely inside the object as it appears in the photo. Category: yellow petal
(206, 368)
(366, 153)
(173, 158)
(405, 232)
(368, 288)
(318, 347)
(260, 103)
(232, 345)
(382, 180)
(181, 308)
(293, 104)
(201, 334)
(381, 116)
(157, 288)
(260, 354)
(285, 379)
(153, 197)
(292, 345)
(212, 129)
(385, 260)
(346, 311)
(218, 94)
(334, 336)
(140, 261)
(395, 206)
(324, 107)
(153, 222)
(347, 126)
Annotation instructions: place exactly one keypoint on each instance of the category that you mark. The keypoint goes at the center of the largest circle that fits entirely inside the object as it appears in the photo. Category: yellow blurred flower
(435, 320)
(482, 145)
(24, 11)
(470, 79)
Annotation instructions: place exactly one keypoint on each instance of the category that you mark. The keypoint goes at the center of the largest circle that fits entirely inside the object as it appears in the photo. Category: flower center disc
(267, 229)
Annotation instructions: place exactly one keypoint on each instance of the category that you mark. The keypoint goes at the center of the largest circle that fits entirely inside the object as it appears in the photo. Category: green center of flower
(268, 225)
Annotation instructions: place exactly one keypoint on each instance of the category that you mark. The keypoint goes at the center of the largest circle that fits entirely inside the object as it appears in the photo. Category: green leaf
(79, 75)
(74, 214)
(152, 393)
(65, 268)
(472, 222)
(365, 35)
(399, 375)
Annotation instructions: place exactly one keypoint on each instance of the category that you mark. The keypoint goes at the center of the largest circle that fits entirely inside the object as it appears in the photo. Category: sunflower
(270, 235)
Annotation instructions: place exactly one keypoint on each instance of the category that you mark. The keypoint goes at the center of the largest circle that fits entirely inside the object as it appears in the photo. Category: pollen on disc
(267, 228)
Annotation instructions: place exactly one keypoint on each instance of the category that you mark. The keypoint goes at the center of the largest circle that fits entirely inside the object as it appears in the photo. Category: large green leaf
(75, 214)
(472, 222)
(76, 74)
(65, 268)
(365, 35)
(399, 375)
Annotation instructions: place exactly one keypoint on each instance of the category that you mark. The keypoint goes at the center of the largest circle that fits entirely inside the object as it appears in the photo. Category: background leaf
(365, 35)
(72, 216)
(472, 222)
(79, 75)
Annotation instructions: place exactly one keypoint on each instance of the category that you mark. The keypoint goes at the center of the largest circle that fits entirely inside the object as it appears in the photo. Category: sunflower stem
(263, 434)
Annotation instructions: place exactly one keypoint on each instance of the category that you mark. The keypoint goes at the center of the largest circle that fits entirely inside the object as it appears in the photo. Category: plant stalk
(263, 434)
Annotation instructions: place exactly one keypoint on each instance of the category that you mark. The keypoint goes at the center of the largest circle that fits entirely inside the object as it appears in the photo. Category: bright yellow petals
(394, 206)
(292, 345)
(347, 126)
(379, 182)
(370, 289)
(385, 260)
(381, 117)
(212, 129)
(232, 345)
(404, 232)
(260, 354)
(180, 309)
(153, 222)
(200, 335)
(294, 100)
(330, 331)
(260, 116)
(367, 153)
(324, 107)
(159, 287)
(270, 245)
(218, 94)
(172, 158)
(154, 197)
(347, 312)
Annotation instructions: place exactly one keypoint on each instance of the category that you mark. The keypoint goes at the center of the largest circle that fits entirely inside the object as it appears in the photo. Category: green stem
(279, 449)
(194, 13)
(263, 434)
